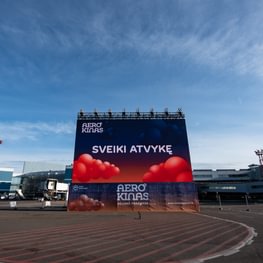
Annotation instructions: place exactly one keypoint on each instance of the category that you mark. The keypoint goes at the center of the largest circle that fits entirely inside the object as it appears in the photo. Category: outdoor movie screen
(132, 164)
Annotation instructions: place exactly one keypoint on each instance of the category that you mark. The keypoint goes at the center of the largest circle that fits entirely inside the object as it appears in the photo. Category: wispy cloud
(15, 131)
(46, 49)
(36, 141)
(233, 40)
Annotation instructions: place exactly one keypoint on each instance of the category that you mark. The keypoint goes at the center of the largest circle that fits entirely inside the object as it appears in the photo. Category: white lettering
(95, 149)
(151, 148)
(91, 127)
(133, 149)
(109, 149)
(132, 193)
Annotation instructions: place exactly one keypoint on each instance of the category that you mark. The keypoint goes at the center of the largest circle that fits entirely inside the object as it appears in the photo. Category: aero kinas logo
(91, 127)
(132, 192)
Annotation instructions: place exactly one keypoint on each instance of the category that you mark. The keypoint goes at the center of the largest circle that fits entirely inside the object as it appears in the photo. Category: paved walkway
(60, 236)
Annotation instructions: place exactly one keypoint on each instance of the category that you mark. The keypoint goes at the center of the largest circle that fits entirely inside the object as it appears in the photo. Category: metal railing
(137, 115)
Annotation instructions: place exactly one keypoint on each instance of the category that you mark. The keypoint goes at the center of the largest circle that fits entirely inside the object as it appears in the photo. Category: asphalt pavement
(251, 216)
(232, 233)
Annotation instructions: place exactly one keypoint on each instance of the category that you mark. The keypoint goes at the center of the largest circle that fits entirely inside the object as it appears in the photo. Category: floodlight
(81, 113)
(180, 113)
(96, 113)
(152, 112)
(110, 113)
(166, 112)
(123, 113)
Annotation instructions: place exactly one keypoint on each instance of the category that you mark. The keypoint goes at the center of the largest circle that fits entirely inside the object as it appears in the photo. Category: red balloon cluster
(174, 169)
(87, 168)
(84, 203)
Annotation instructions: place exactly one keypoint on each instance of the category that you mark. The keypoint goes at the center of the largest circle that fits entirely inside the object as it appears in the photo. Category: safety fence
(32, 205)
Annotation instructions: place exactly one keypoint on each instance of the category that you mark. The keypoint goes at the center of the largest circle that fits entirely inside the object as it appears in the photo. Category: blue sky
(57, 57)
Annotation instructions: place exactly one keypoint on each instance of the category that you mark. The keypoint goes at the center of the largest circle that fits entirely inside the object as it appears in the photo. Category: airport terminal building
(38, 179)
(229, 183)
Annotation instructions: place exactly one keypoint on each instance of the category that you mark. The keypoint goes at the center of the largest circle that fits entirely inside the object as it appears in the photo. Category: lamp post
(246, 198)
(219, 200)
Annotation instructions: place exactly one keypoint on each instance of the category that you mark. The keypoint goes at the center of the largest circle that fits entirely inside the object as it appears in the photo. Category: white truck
(54, 190)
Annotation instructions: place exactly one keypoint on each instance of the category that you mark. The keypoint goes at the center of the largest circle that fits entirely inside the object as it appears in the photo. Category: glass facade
(5, 180)
(6, 175)
(68, 174)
